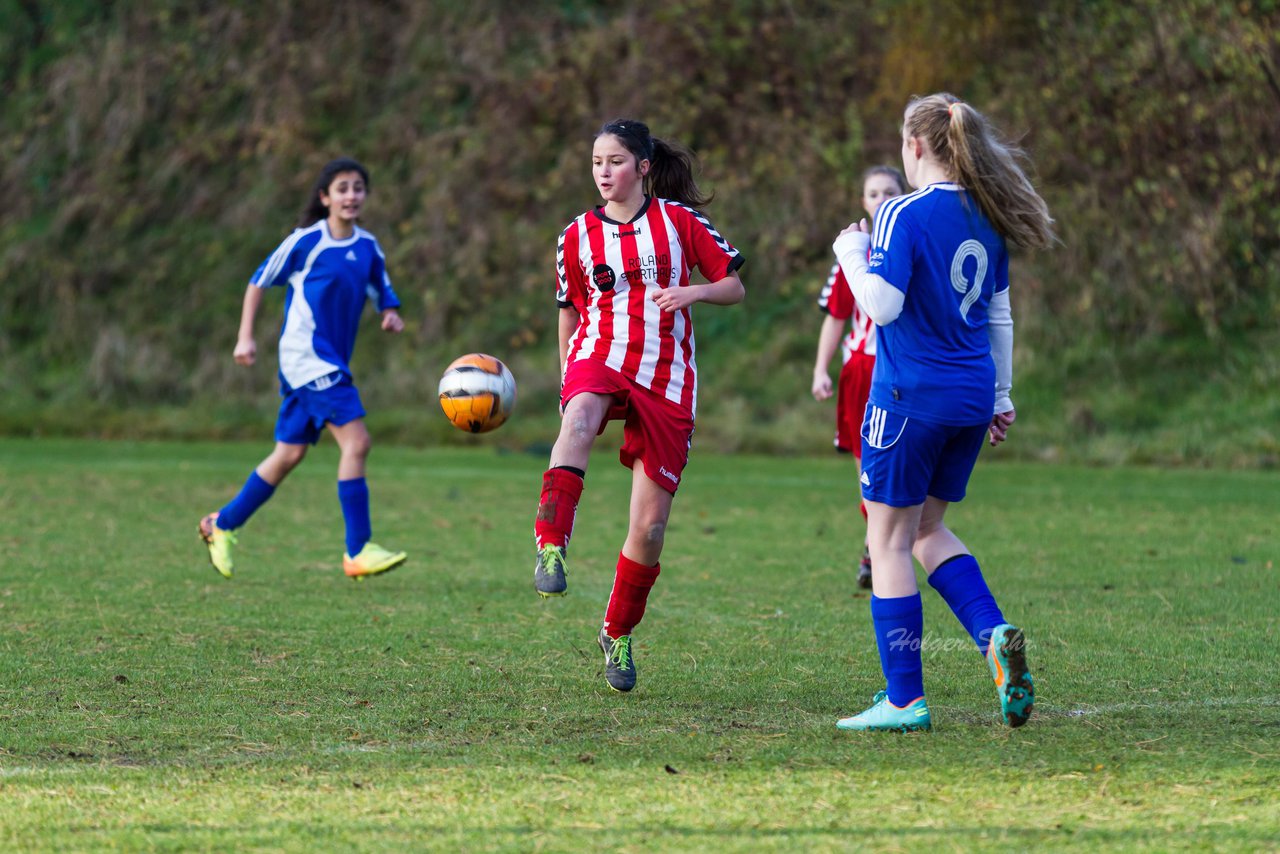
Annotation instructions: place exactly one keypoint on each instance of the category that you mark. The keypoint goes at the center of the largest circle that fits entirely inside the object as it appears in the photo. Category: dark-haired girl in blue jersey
(936, 282)
(331, 267)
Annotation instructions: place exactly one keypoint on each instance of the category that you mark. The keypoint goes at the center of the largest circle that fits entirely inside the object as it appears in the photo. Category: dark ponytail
(671, 165)
(315, 210)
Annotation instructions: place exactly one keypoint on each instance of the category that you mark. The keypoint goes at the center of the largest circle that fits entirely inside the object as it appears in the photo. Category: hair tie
(952, 107)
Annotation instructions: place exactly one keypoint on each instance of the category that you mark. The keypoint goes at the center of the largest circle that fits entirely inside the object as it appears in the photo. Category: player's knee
(654, 533)
(288, 456)
(580, 430)
(358, 446)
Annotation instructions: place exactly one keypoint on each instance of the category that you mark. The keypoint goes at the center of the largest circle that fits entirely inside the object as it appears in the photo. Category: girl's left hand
(674, 299)
(998, 431)
(391, 321)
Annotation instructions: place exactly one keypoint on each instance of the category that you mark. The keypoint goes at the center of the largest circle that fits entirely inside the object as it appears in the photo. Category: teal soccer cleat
(884, 716)
(1007, 658)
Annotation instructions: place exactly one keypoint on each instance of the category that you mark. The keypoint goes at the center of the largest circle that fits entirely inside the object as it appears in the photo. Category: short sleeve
(1002, 273)
(570, 287)
(705, 248)
(380, 290)
(836, 298)
(893, 244)
(282, 263)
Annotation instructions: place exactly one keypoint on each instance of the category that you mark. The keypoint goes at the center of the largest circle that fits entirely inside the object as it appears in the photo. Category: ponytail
(315, 210)
(671, 165)
(988, 167)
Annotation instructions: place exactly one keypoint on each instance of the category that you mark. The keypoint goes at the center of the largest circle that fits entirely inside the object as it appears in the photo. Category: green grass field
(146, 703)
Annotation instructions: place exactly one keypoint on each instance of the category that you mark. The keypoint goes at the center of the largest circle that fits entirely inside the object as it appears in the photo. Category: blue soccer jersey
(329, 281)
(934, 361)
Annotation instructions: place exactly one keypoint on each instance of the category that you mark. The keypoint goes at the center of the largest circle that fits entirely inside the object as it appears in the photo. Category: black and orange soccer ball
(477, 393)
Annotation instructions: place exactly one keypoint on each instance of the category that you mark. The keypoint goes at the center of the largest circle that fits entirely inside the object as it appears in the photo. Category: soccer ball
(477, 393)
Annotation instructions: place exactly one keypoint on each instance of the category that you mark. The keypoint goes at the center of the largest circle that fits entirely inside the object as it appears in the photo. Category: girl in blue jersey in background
(331, 266)
(936, 283)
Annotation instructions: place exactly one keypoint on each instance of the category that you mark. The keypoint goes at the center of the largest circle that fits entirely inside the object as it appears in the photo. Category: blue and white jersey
(934, 360)
(329, 281)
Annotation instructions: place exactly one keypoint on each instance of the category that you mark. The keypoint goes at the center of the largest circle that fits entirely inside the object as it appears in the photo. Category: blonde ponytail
(989, 168)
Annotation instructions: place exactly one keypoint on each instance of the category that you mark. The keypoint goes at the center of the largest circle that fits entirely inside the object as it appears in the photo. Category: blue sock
(253, 495)
(899, 626)
(354, 496)
(959, 581)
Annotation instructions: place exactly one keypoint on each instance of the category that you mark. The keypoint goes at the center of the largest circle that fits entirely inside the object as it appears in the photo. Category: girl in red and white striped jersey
(879, 183)
(627, 353)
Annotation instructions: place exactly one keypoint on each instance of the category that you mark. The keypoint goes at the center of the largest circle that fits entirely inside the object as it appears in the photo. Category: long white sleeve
(879, 299)
(1000, 331)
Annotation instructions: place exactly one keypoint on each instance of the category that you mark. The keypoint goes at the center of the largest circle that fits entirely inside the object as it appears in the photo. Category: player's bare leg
(637, 571)
(896, 612)
(562, 487)
(965, 590)
(363, 557)
(221, 540)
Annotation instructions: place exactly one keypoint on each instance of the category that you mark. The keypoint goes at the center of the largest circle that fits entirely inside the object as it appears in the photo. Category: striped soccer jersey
(608, 270)
(329, 281)
(837, 300)
(934, 360)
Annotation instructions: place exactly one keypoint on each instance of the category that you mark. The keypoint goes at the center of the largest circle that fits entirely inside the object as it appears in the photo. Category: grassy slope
(145, 703)
(155, 153)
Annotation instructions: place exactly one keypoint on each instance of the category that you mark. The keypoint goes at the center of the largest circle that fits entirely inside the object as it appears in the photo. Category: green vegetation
(145, 703)
(153, 153)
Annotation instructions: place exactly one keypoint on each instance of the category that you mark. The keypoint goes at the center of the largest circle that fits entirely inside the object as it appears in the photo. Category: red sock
(631, 586)
(862, 506)
(557, 508)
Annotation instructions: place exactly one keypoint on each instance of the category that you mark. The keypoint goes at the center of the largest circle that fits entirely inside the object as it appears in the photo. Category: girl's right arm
(828, 340)
(246, 351)
(880, 300)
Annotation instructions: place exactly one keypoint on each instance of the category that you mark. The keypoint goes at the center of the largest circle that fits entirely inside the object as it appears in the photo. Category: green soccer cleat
(619, 666)
(884, 716)
(219, 543)
(1007, 658)
(549, 571)
(372, 560)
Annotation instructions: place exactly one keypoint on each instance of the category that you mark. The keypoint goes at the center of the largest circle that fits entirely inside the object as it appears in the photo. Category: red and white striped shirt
(606, 269)
(837, 300)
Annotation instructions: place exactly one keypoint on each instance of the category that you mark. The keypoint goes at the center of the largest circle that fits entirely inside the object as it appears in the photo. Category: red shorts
(851, 402)
(654, 430)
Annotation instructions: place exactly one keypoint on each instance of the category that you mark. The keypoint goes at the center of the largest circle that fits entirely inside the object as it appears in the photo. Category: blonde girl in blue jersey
(331, 267)
(936, 283)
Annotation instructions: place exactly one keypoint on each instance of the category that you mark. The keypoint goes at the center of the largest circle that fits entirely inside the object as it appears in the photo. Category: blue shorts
(304, 411)
(905, 460)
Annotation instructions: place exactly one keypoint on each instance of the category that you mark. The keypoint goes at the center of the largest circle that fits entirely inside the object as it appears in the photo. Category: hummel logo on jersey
(351, 255)
(635, 232)
(866, 481)
(668, 475)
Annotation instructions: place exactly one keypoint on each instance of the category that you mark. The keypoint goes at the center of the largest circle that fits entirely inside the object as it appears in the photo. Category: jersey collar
(599, 212)
(355, 234)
